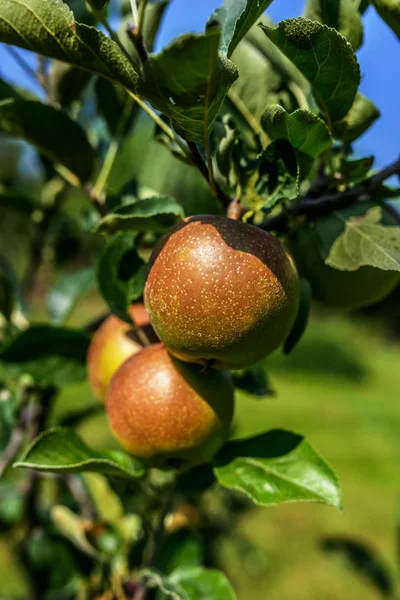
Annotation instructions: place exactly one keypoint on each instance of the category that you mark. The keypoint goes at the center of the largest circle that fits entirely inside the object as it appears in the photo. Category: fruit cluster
(220, 294)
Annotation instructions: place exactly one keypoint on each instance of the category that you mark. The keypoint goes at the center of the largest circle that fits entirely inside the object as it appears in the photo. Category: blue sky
(379, 59)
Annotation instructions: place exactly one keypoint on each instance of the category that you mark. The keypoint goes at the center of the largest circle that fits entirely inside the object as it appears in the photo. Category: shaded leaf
(389, 11)
(14, 200)
(301, 321)
(181, 548)
(356, 170)
(8, 91)
(235, 18)
(360, 117)
(365, 241)
(151, 214)
(36, 123)
(275, 467)
(67, 83)
(49, 28)
(111, 104)
(302, 128)
(8, 288)
(66, 292)
(324, 57)
(98, 4)
(363, 560)
(342, 15)
(61, 450)
(153, 16)
(254, 381)
(193, 97)
(8, 415)
(48, 354)
(121, 274)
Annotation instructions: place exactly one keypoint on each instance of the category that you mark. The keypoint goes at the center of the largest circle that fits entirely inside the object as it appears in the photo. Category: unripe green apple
(221, 292)
(339, 289)
(170, 413)
(112, 344)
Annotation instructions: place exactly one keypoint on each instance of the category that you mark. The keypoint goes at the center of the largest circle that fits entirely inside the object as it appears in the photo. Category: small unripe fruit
(172, 414)
(221, 292)
(112, 344)
(344, 290)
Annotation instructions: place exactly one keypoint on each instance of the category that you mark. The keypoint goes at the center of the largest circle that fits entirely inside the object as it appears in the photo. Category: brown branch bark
(313, 208)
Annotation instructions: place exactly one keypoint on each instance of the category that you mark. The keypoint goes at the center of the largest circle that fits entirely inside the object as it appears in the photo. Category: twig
(157, 539)
(105, 171)
(200, 164)
(135, 31)
(312, 208)
(250, 119)
(81, 496)
(24, 65)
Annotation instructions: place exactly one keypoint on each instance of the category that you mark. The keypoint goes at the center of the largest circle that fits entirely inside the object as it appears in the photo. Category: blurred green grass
(340, 387)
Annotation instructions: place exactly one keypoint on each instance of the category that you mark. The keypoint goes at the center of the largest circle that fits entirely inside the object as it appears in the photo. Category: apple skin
(169, 413)
(346, 290)
(221, 292)
(112, 344)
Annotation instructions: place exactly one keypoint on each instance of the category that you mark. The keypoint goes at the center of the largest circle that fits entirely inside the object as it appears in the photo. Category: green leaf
(111, 103)
(48, 354)
(155, 580)
(73, 528)
(193, 96)
(36, 123)
(302, 128)
(203, 584)
(279, 173)
(236, 17)
(324, 57)
(190, 583)
(121, 274)
(156, 214)
(66, 292)
(49, 28)
(67, 83)
(342, 15)
(61, 450)
(254, 381)
(360, 117)
(365, 241)
(389, 11)
(301, 321)
(356, 170)
(275, 467)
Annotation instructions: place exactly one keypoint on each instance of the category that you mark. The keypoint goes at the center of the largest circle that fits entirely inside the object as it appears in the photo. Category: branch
(312, 208)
